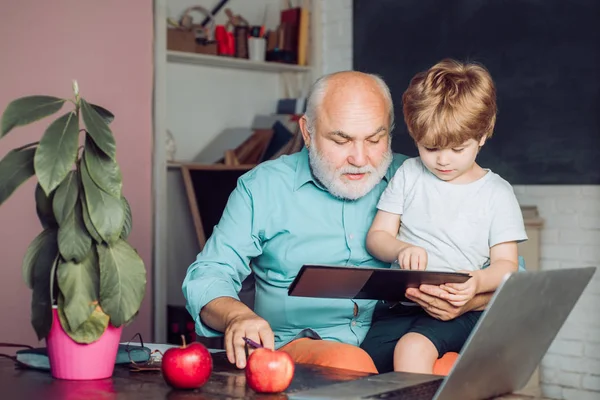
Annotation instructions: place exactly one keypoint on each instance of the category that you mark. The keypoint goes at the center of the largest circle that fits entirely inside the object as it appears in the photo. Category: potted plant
(87, 282)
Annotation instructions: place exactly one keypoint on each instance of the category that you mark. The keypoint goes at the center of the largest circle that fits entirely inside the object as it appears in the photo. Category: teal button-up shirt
(277, 219)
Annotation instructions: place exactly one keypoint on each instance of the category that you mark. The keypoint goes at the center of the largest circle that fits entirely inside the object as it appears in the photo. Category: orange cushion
(339, 355)
(444, 364)
(330, 354)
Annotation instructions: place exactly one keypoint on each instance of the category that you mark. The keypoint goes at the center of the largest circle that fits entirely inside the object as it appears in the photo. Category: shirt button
(353, 323)
(351, 236)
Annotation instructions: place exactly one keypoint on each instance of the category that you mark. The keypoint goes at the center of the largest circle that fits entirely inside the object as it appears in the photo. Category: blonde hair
(449, 104)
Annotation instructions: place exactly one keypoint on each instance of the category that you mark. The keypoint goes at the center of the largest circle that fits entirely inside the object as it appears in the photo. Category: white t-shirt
(456, 224)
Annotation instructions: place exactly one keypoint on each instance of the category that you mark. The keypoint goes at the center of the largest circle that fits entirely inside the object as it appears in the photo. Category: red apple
(269, 371)
(187, 367)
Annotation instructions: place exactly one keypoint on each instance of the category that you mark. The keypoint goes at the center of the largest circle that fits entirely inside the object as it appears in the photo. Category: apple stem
(183, 340)
(252, 343)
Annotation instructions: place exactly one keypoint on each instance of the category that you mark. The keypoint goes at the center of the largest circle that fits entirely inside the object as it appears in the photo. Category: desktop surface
(226, 382)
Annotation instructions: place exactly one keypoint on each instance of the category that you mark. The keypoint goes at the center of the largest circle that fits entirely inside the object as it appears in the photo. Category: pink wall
(108, 47)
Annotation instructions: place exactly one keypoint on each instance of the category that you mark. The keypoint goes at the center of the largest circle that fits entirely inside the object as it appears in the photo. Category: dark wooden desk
(226, 382)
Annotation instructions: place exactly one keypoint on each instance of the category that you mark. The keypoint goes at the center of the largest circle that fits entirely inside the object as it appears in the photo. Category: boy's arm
(503, 260)
(381, 238)
(383, 244)
(433, 299)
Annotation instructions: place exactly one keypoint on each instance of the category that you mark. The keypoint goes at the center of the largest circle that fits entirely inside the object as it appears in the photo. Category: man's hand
(459, 294)
(234, 318)
(412, 257)
(247, 325)
(430, 298)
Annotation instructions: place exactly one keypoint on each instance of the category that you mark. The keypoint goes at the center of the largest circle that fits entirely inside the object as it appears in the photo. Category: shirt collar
(304, 173)
(390, 171)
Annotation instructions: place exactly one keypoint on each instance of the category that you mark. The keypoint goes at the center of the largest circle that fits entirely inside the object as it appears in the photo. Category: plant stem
(183, 340)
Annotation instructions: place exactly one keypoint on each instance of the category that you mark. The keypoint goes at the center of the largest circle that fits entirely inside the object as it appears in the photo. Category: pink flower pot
(75, 361)
(80, 390)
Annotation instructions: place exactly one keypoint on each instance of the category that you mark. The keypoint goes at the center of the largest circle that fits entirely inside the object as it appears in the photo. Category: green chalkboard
(543, 55)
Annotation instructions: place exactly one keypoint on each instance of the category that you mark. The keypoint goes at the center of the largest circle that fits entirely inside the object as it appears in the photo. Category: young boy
(443, 212)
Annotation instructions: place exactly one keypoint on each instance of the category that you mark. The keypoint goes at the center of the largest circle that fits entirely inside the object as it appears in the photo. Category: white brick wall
(336, 20)
(570, 238)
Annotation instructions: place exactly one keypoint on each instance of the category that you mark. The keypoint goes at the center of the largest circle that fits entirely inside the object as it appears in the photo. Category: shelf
(181, 57)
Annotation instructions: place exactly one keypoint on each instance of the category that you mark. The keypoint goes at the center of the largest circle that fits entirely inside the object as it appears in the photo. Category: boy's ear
(482, 141)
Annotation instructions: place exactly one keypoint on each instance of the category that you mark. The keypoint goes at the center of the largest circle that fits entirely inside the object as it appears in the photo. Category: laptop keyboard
(422, 391)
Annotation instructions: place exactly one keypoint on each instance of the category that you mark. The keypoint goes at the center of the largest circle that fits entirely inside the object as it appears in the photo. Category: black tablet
(330, 281)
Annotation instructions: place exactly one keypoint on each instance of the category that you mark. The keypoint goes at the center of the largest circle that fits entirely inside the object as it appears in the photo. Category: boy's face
(455, 164)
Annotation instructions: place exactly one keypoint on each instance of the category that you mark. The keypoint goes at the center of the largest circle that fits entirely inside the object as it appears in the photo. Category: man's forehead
(353, 110)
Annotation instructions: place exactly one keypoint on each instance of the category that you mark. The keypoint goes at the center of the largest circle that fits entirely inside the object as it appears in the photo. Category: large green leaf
(43, 207)
(98, 129)
(41, 241)
(106, 115)
(87, 221)
(78, 283)
(90, 330)
(15, 168)
(103, 170)
(122, 281)
(105, 211)
(28, 109)
(41, 299)
(128, 224)
(74, 242)
(66, 196)
(57, 151)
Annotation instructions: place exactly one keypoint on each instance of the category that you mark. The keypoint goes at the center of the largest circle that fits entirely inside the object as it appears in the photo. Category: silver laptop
(504, 349)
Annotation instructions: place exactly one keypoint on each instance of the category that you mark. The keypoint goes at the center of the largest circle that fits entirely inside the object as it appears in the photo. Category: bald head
(340, 90)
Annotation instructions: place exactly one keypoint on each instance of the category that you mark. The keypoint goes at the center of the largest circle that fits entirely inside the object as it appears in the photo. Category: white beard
(341, 187)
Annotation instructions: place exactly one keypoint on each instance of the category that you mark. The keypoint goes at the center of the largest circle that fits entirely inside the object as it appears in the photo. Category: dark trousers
(391, 322)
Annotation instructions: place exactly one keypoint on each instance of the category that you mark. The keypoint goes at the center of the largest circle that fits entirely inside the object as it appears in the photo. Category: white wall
(570, 238)
(202, 101)
(336, 31)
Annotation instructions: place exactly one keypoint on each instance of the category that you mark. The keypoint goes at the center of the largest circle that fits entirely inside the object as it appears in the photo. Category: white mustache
(356, 170)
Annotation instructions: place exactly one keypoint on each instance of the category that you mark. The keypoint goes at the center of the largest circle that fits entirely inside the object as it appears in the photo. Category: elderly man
(314, 206)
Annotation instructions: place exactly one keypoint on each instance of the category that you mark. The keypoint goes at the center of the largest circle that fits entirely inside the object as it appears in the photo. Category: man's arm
(219, 312)
(213, 281)
(479, 302)
(429, 297)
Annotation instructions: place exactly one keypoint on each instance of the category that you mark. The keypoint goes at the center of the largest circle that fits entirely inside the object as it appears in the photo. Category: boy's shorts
(390, 324)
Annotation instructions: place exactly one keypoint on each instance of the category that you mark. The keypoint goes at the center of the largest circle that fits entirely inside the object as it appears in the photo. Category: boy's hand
(412, 257)
(459, 294)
